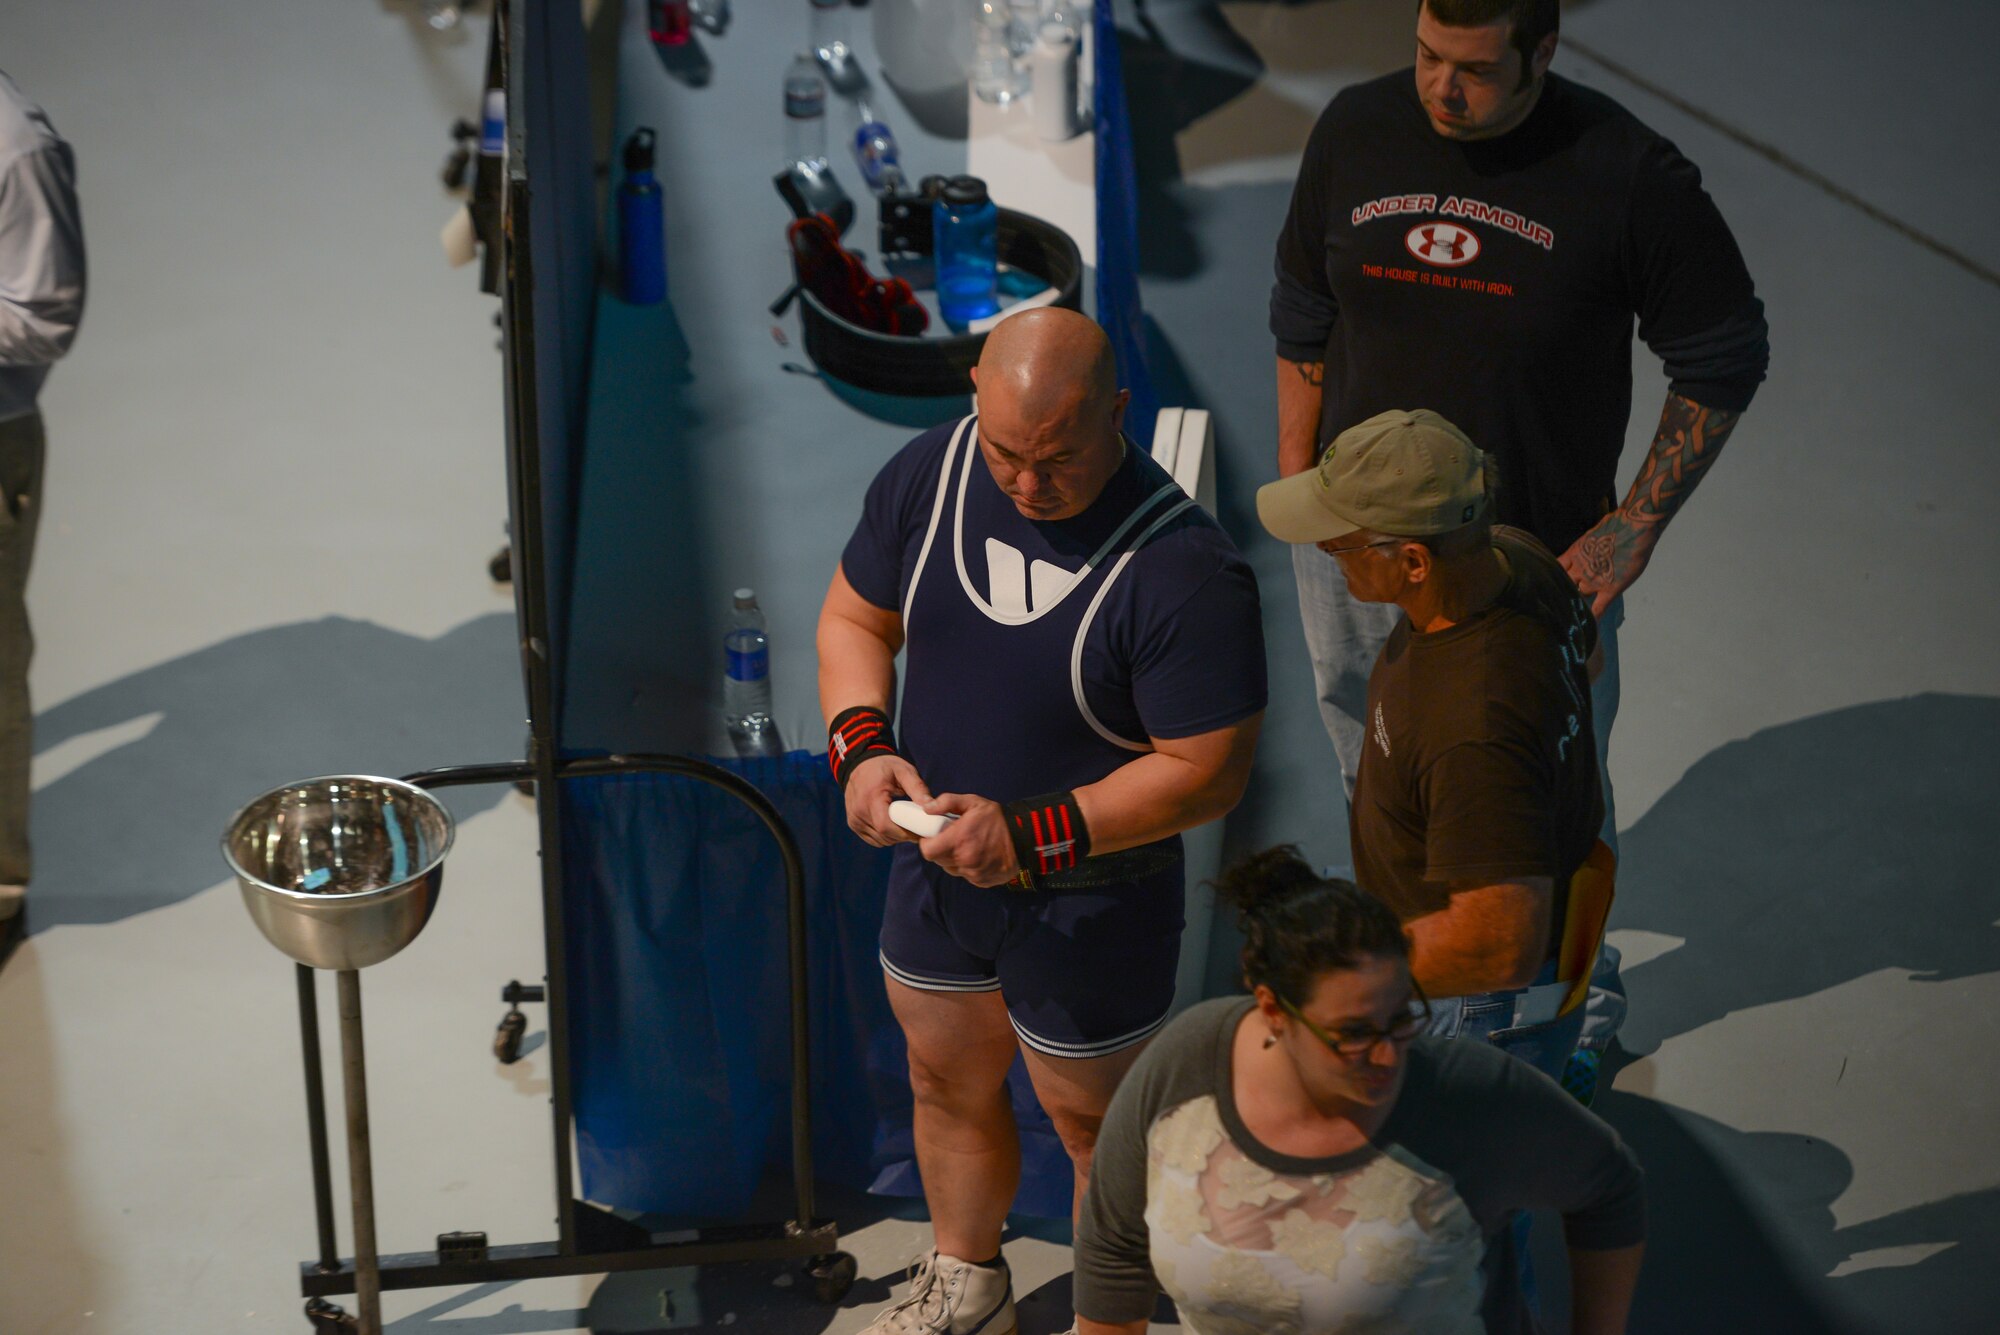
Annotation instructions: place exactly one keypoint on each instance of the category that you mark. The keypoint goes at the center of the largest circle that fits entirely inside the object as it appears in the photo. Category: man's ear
(1418, 561)
(1545, 52)
(1118, 406)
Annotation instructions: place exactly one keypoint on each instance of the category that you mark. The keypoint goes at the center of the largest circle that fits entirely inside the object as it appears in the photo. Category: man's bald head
(1048, 361)
(1049, 411)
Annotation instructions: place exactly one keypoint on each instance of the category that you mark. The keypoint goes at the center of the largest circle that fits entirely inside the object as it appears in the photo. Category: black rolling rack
(589, 1239)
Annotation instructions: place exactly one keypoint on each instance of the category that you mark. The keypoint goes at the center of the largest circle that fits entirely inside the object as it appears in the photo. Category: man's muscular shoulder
(908, 478)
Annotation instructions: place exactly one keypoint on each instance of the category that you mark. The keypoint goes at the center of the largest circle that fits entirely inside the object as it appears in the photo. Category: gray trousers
(22, 448)
(1345, 637)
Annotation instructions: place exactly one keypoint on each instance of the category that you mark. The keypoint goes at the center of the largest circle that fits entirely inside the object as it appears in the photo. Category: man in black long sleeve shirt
(1476, 236)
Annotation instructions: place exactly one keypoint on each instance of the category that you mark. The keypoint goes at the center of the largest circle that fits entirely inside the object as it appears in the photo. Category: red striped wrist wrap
(855, 735)
(1048, 833)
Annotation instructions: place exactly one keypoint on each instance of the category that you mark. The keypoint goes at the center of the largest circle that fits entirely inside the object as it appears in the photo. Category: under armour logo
(1445, 244)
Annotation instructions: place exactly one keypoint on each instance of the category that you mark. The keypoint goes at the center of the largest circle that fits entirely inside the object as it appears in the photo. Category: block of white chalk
(916, 820)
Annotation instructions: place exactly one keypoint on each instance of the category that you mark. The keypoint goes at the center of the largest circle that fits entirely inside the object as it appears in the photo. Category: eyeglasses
(1356, 1043)
(1359, 546)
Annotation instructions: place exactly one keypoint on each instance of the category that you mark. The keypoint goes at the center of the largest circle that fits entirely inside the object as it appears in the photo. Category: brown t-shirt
(1478, 763)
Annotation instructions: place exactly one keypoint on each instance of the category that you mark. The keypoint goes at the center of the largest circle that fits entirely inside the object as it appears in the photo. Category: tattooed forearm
(1606, 560)
(1301, 396)
(1689, 439)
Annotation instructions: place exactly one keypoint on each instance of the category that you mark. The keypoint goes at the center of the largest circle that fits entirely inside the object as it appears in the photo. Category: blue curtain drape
(679, 998)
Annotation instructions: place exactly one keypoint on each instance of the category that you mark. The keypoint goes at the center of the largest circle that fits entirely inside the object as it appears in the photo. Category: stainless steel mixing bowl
(340, 872)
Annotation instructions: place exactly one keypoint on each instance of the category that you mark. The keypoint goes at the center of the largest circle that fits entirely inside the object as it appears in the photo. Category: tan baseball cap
(1404, 473)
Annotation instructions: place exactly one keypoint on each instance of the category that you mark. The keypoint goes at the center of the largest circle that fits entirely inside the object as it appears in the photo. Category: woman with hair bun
(1302, 1162)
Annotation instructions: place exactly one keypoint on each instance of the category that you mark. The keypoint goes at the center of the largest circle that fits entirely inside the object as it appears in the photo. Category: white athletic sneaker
(951, 1297)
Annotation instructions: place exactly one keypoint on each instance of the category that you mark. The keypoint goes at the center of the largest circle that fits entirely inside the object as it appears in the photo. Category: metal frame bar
(804, 1235)
(588, 1240)
(541, 1260)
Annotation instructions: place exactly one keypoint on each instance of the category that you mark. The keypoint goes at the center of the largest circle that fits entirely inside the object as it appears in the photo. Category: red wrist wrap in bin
(843, 284)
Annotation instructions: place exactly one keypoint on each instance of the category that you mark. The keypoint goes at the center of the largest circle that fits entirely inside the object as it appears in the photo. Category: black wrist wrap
(1048, 832)
(854, 735)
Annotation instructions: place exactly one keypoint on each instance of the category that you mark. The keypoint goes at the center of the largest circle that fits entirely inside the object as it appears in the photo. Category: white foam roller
(916, 820)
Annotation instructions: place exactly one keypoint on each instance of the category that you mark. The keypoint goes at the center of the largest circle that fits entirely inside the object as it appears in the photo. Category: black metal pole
(524, 477)
(454, 776)
(322, 1165)
(795, 914)
(360, 1158)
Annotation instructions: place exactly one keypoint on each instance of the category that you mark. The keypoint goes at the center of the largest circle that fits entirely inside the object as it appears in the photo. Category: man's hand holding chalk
(975, 845)
(873, 785)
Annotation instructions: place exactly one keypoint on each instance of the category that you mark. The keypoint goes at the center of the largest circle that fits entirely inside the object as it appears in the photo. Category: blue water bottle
(875, 152)
(642, 228)
(965, 243)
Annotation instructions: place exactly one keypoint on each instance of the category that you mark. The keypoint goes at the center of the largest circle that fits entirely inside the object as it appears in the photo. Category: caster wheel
(507, 1038)
(328, 1319)
(832, 1276)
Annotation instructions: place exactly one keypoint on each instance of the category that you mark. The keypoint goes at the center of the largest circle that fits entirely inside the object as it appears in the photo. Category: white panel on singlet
(1007, 578)
(1047, 582)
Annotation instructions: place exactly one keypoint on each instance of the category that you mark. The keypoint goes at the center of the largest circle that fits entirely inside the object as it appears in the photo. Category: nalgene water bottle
(965, 243)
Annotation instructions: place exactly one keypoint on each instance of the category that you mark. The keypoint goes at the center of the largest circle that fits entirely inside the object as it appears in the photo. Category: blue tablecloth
(679, 999)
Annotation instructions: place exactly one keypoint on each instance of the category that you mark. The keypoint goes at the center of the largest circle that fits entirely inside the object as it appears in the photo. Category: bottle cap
(745, 597)
(639, 150)
(965, 192)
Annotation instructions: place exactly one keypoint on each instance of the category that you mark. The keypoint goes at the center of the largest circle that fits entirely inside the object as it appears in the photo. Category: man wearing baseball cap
(1476, 801)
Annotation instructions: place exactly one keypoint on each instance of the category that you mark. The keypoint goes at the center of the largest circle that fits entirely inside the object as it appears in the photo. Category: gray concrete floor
(275, 477)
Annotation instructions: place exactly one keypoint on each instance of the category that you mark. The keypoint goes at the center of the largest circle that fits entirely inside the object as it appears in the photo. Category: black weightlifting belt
(934, 367)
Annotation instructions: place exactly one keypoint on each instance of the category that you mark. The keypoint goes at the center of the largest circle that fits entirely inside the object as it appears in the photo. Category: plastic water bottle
(493, 124)
(876, 154)
(746, 681)
(965, 243)
(712, 15)
(805, 115)
(1024, 18)
(997, 76)
(642, 235)
(829, 41)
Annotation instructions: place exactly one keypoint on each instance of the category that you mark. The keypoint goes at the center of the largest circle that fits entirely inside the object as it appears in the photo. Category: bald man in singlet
(1083, 680)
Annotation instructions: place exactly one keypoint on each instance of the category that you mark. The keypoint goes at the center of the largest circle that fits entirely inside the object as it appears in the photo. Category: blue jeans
(1489, 1016)
(1345, 637)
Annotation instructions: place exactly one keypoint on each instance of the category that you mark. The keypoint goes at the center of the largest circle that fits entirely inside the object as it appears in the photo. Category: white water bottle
(746, 681)
(1055, 68)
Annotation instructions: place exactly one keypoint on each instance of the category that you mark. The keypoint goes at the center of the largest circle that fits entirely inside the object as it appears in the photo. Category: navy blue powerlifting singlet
(996, 697)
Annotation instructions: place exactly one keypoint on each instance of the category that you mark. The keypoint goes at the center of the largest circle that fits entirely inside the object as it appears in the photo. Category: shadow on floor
(643, 547)
(1791, 862)
(1185, 60)
(138, 827)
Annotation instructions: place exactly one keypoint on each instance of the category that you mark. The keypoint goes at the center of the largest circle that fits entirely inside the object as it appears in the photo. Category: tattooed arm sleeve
(1605, 561)
(1300, 393)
